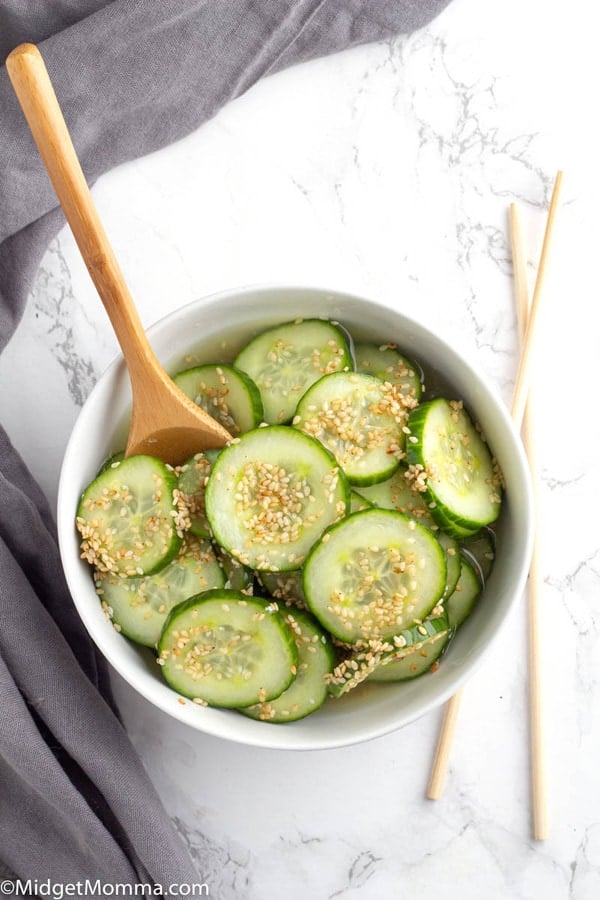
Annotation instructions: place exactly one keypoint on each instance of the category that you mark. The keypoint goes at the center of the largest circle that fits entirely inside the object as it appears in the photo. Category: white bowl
(224, 322)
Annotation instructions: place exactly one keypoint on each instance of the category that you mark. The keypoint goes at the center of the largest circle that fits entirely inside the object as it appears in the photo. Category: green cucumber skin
(189, 486)
(325, 539)
(214, 496)
(181, 608)
(461, 603)
(395, 672)
(245, 363)
(252, 395)
(303, 415)
(117, 457)
(285, 587)
(323, 647)
(358, 503)
(142, 628)
(370, 359)
(367, 480)
(455, 525)
(436, 626)
(396, 493)
(481, 548)
(238, 577)
(452, 561)
(170, 484)
(225, 595)
(450, 526)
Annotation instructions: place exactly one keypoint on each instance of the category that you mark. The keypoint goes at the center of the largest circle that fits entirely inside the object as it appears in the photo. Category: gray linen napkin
(132, 76)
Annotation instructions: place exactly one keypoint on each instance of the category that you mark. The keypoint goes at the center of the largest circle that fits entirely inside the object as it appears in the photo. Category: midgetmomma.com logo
(95, 888)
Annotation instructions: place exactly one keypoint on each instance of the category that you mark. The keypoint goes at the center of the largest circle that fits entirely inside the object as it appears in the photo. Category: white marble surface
(386, 171)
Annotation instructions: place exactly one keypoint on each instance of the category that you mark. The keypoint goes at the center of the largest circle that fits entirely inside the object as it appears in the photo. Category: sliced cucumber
(373, 574)
(285, 361)
(139, 606)
(226, 393)
(451, 527)
(308, 691)
(226, 649)
(396, 493)
(359, 419)
(416, 661)
(239, 577)
(463, 487)
(285, 586)
(131, 517)
(271, 494)
(358, 502)
(381, 656)
(111, 461)
(193, 478)
(386, 362)
(451, 548)
(481, 549)
(460, 603)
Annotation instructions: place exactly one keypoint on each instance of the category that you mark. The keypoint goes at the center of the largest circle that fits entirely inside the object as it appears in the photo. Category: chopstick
(527, 345)
(539, 779)
(448, 728)
(439, 768)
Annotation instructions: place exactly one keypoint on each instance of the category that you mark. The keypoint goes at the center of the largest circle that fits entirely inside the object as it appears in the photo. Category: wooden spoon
(164, 422)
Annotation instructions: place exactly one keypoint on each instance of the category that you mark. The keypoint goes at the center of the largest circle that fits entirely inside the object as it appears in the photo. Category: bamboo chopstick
(539, 779)
(439, 768)
(527, 345)
(442, 753)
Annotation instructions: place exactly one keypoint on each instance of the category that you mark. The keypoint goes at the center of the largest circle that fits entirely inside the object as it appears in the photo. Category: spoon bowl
(164, 422)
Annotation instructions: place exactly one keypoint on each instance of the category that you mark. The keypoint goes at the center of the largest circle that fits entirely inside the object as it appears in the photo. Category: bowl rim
(289, 740)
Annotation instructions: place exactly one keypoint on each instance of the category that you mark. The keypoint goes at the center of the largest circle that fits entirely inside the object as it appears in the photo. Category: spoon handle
(34, 90)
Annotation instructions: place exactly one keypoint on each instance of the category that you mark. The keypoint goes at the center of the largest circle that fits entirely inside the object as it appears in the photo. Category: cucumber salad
(341, 536)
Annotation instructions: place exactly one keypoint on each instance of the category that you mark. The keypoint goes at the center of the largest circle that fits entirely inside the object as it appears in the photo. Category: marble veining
(388, 171)
(226, 869)
(54, 304)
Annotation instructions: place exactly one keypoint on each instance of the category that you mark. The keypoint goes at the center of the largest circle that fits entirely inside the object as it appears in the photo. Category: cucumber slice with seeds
(461, 602)
(481, 549)
(285, 586)
(372, 574)
(451, 527)
(379, 656)
(364, 578)
(139, 606)
(193, 478)
(271, 494)
(463, 486)
(227, 394)
(451, 548)
(308, 691)
(358, 502)
(417, 660)
(223, 648)
(284, 361)
(110, 462)
(131, 517)
(396, 493)
(239, 577)
(386, 362)
(359, 419)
